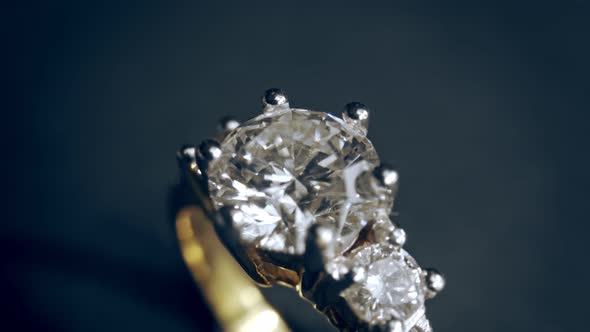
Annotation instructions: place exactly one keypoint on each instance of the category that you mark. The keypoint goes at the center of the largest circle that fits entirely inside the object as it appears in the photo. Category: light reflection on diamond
(288, 169)
(391, 289)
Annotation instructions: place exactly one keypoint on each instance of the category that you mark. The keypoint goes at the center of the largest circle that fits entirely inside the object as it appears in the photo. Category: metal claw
(398, 237)
(274, 99)
(187, 158)
(209, 150)
(319, 284)
(228, 123)
(435, 282)
(357, 114)
(387, 176)
(318, 248)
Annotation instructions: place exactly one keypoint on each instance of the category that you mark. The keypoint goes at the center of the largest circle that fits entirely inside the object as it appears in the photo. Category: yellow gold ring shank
(236, 302)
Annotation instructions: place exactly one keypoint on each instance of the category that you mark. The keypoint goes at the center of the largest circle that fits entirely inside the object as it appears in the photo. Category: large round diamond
(289, 169)
(390, 288)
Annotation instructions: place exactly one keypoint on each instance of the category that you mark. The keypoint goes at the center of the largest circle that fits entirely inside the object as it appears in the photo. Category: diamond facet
(288, 169)
(391, 289)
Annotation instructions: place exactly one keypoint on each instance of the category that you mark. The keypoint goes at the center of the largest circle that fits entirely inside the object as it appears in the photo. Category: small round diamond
(286, 170)
(390, 289)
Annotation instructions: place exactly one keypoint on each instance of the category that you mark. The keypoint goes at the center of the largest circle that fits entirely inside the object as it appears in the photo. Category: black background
(482, 105)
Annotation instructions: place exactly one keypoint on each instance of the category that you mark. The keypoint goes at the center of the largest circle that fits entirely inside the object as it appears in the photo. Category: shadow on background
(483, 106)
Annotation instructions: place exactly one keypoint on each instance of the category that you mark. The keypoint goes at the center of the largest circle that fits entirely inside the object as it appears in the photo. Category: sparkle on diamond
(391, 287)
(291, 168)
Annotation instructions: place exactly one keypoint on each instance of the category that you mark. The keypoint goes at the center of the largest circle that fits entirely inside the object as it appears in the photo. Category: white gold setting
(305, 192)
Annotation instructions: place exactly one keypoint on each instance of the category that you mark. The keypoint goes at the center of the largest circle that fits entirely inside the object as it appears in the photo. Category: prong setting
(398, 237)
(384, 231)
(274, 99)
(228, 123)
(209, 150)
(319, 248)
(387, 176)
(325, 240)
(435, 281)
(325, 276)
(187, 157)
(357, 115)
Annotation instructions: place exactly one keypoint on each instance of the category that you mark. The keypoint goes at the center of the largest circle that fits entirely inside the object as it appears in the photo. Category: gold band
(236, 302)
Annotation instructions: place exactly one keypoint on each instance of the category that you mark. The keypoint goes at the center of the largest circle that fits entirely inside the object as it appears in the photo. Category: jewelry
(300, 198)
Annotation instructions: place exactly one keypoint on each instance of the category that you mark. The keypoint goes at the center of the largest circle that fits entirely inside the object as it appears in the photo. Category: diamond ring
(299, 198)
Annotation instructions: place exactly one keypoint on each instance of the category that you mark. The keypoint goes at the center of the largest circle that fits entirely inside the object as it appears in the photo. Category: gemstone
(392, 287)
(288, 169)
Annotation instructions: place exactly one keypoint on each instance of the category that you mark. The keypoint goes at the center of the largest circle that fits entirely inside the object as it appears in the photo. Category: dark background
(482, 105)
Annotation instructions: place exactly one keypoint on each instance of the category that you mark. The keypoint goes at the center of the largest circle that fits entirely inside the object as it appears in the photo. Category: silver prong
(209, 150)
(398, 237)
(435, 282)
(187, 157)
(324, 237)
(387, 176)
(357, 115)
(320, 247)
(228, 123)
(274, 99)
(384, 231)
